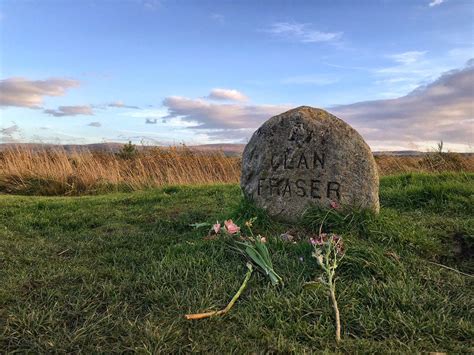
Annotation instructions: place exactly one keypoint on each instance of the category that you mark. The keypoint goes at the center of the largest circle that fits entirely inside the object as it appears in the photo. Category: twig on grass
(449, 268)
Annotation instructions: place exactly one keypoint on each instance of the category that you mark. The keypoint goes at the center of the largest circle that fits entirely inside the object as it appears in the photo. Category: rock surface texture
(305, 157)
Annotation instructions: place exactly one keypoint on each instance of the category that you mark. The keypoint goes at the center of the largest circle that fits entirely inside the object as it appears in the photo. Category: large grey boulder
(304, 157)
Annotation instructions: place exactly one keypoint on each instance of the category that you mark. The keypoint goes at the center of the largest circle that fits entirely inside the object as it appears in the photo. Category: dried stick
(231, 303)
(449, 268)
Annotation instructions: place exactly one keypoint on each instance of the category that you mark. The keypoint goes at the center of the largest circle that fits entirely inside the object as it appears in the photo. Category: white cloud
(70, 111)
(227, 94)
(301, 32)
(95, 124)
(120, 104)
(435, 3)
(407, 57)
(21, 92)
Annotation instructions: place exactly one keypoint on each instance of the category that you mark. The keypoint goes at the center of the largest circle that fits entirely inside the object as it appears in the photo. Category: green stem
(231, 303)
(241, 289)
(332, 292)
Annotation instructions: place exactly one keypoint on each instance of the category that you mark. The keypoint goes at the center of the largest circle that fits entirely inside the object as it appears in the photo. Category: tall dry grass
(58, 172)
(54, 171)
(433, 162)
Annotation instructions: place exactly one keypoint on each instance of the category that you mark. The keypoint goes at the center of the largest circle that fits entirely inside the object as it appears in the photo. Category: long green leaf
(259, 254)
(263, 250)
(252, 253)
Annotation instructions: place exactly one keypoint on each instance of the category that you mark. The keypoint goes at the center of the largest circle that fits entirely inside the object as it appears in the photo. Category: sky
(401, 72)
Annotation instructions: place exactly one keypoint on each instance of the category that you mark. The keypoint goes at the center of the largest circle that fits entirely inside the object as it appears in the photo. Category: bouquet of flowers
(256, 252)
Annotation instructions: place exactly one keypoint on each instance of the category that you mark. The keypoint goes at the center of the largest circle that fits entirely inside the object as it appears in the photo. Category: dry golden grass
(54, 171)
(57, 172)
(433, 162)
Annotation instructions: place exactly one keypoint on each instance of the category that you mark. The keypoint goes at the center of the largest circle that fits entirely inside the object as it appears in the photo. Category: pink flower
(216, 227)
(263, 239)
(334, 205)
(319, 240)
(231, 227)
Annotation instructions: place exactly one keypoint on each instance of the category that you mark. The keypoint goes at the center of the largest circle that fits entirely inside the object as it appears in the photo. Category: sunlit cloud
(226, 95)
(226, 116)
(70, 111)
(21, 92)
(222, 122)
(441, 110)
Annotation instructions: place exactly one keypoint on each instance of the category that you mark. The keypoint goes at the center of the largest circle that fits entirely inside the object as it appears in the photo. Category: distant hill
(399, 153)
(227, 149)
(103, 147)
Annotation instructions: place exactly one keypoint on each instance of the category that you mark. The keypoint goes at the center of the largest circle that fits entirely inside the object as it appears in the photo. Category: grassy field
(117, 272)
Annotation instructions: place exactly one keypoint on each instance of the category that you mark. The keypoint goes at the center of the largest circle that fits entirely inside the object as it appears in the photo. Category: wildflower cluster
(328, 241)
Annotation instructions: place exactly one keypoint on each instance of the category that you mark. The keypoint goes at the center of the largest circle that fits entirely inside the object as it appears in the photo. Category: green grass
(117, 272)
